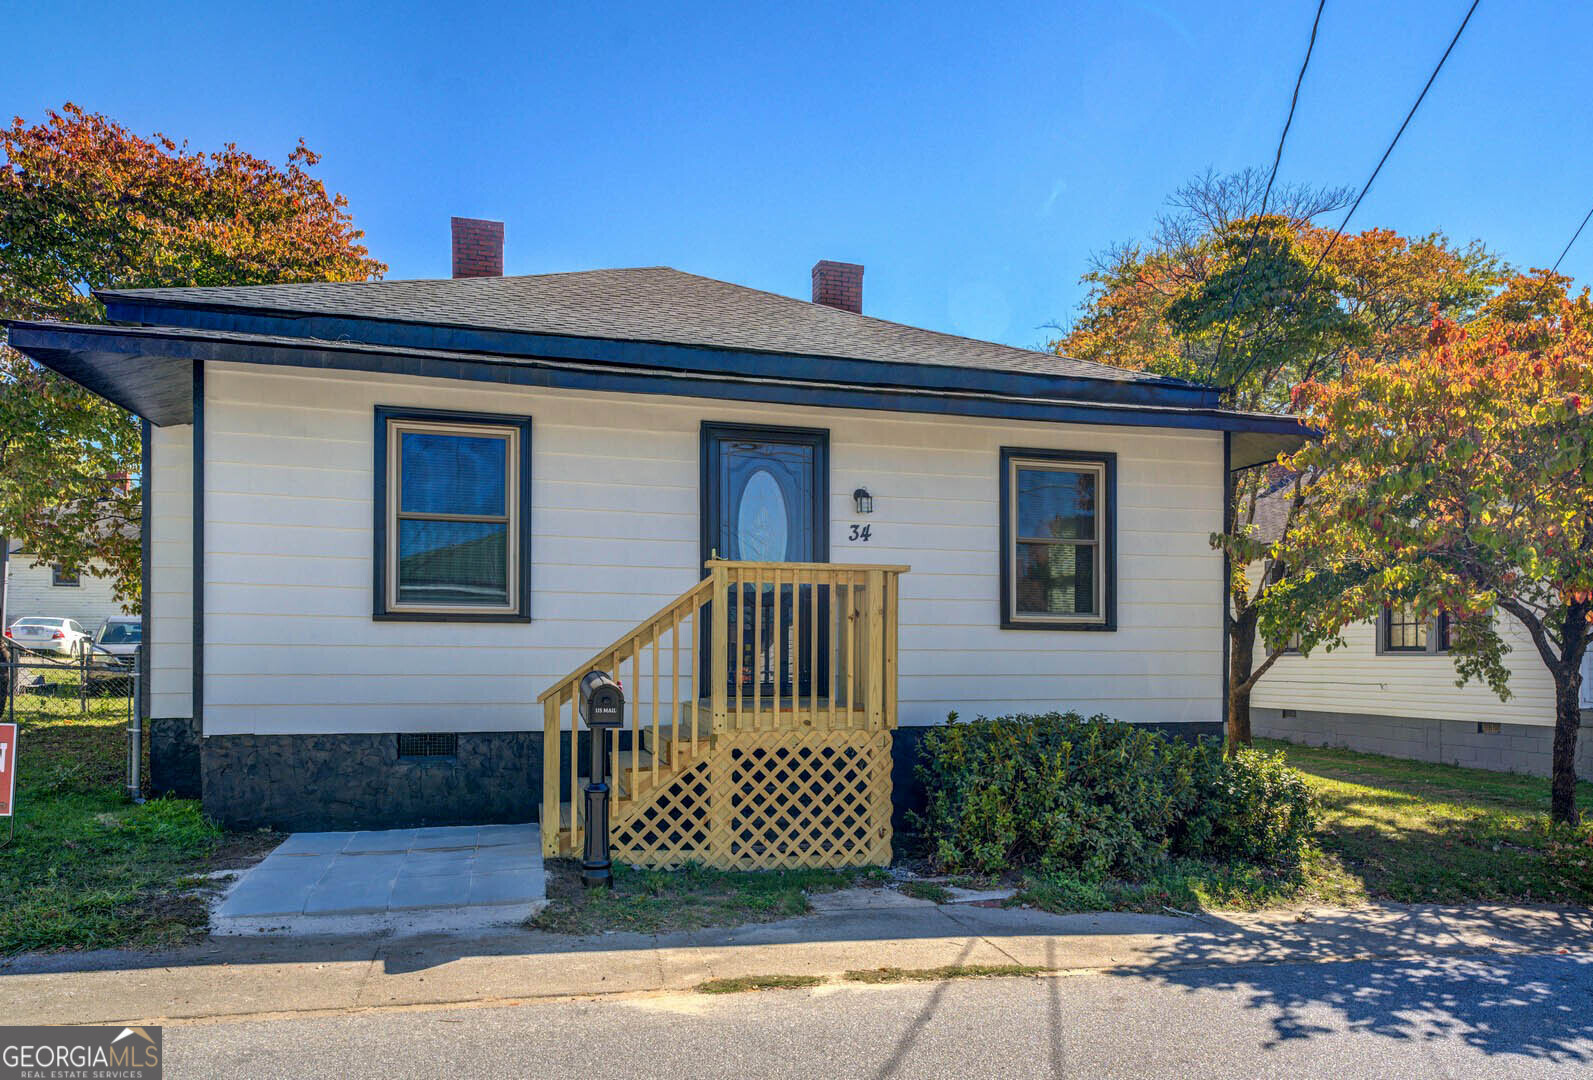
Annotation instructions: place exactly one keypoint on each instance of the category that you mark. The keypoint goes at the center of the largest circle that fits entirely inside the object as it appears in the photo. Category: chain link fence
(39, 689)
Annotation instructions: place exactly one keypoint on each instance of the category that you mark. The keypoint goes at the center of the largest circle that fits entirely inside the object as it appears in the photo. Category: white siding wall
(171, 606)
(1354, 679)
(90, 602)
(290, 645)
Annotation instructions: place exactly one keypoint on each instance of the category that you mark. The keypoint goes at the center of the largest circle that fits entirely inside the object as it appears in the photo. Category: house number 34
(860, 532)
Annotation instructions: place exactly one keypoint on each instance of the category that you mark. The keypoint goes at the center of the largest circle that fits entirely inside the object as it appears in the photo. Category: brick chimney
(478, 247)
(838, 285)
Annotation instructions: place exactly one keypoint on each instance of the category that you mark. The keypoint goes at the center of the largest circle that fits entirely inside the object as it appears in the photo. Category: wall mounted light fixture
(864, 501)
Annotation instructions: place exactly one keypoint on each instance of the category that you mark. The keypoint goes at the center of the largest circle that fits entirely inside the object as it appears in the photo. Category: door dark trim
(708, 482)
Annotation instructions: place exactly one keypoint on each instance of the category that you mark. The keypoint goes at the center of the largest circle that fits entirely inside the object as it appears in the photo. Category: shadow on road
(1445, 983)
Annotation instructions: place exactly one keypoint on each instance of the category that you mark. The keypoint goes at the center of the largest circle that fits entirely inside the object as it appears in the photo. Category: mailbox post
(602, 703)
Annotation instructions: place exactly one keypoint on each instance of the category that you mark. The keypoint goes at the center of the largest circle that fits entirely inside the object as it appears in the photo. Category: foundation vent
(428, 744)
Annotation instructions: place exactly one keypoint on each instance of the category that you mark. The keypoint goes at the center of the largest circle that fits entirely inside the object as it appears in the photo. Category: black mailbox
(602, 709)
(602, 701)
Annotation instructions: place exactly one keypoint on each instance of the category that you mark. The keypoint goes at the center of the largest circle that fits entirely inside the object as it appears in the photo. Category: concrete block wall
(1518, 748)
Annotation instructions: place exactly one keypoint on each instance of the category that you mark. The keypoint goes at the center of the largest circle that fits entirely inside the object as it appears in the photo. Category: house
(1391, 689)
(391, 523)
(55, 591)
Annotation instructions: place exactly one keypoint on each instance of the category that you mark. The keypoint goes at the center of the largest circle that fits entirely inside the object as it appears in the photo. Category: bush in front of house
(1061, 793)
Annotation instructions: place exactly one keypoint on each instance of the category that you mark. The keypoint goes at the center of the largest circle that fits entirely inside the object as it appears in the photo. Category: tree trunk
(1241, 663)
(1567, 718)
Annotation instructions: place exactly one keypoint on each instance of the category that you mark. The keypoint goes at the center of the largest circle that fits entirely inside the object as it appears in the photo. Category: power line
(1568, 244)
(1338, 232)
(1244, 269)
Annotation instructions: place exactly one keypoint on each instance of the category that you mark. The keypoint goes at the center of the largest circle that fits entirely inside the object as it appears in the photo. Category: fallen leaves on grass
(757, 982)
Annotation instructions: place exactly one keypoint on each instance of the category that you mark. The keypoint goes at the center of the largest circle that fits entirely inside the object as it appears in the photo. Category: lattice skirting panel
(762, 800)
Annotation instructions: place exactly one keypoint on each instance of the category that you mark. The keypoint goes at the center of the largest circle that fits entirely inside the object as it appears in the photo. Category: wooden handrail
(698, 593)
(836, 641)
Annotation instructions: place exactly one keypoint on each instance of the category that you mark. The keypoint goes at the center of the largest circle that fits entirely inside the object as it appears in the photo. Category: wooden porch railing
(787, 647)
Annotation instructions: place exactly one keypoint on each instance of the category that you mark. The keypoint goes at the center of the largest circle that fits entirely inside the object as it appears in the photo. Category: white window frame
(397, 428)
(1096, 543)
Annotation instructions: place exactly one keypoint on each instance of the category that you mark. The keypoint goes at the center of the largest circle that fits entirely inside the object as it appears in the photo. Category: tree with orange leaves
(1460, 480)
(1240, 289)
(84, 205)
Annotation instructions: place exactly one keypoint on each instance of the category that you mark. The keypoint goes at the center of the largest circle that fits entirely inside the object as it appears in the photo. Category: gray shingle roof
(652, 304)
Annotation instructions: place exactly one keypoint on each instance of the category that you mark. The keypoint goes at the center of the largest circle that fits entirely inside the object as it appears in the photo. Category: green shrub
(1061, 794)
(1260, 809)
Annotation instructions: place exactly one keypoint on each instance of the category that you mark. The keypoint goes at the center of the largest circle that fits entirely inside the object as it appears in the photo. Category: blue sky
(972, 156)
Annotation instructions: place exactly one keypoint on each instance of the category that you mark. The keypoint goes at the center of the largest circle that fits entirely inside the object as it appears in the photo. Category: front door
(765, 499)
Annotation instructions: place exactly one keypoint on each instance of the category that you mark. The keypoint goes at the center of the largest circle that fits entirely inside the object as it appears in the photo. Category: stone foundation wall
(174, 757)
(1519, 748)
(344, 781)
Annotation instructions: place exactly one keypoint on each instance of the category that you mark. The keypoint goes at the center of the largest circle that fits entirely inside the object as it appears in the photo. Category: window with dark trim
(451, 537)
(1400, 630)
(1058, 540)
(1292, 644)
(61, 578)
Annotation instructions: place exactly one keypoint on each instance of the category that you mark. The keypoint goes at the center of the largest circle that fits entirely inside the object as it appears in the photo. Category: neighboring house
(51, 591)
(407, 508)
(1390, 689)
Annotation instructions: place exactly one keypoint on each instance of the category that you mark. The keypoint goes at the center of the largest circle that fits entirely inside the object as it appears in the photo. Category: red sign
(8, 768)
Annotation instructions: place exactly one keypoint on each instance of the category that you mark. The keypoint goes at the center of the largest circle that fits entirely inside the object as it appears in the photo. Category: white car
(58, 637)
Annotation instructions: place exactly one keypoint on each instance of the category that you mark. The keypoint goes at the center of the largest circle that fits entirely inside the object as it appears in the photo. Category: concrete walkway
(245, 977)
(365, 882)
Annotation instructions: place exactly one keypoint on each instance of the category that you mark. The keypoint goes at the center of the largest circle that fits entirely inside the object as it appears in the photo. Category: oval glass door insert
(763, 522)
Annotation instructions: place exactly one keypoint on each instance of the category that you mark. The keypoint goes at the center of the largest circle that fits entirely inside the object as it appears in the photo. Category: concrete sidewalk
(369, 883)
(231, 978)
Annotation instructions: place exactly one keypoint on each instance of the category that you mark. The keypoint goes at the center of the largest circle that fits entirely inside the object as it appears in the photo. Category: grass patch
(938, 974)
(89, 869)
(651, 901)
(1192, 885)
(1416, 832)
(927, 890)
(757, 982)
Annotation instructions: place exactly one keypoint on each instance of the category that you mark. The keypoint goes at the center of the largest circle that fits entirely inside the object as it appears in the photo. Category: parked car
(58, 637)
(116, 641)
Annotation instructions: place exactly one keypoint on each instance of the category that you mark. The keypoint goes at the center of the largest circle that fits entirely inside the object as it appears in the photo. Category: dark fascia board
(95, 345)
(651, 354)
(157, 386)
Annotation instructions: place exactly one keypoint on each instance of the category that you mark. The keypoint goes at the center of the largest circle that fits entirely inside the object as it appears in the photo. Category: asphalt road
(1517, 1017)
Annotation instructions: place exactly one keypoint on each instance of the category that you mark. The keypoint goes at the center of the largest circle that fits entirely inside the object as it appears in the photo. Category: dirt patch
(241, 850)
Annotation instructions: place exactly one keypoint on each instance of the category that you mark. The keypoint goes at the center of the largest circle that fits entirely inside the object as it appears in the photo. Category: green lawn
(88, 869)
(650, 901)
(1415, 832)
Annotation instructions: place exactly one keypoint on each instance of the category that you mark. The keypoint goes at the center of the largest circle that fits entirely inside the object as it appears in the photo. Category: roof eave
(150, 370)
(675, 356)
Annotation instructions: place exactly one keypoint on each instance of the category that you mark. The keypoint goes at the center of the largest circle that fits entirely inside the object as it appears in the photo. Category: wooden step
(689, 722)
(642, 777)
